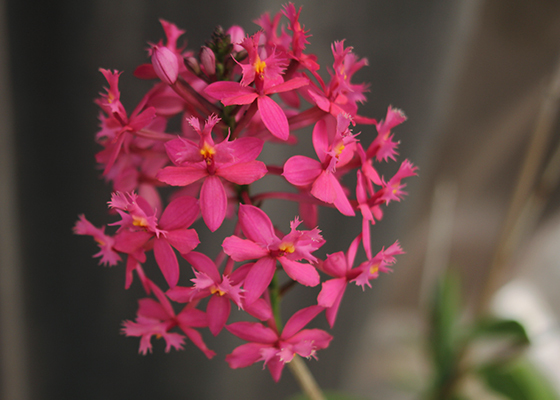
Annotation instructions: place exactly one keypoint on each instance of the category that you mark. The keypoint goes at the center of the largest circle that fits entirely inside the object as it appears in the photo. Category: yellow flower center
(339, 149)
(139, 221)
(259, 66)
(373, 269)
(207, 151)
(287, 248)
(215, 290)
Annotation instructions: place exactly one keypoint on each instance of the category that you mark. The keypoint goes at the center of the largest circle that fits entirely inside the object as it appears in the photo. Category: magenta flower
(122, 124)
(263, 245)
(274, 349)
(139, 225)
(105, 242)
(380, 263)
(266, 73)
(333, 150)
(383, 147)
(157, 318)
(209, 282)
(233, 161)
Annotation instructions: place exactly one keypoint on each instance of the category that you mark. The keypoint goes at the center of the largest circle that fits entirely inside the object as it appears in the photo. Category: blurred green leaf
(518, 380)
(444, 317)
(330, 395)
(496, 327)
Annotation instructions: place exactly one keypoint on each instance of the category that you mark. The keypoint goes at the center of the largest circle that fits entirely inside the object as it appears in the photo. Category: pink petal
(167, 261)
(240, 100)
(331, 290)
(243, 173)
(181, 176)
(273, 117)
(256, 225)
(305, 274)
(299, 320)
(217, 313)
(321, 139)
(223, 89)
(246, 148)
(243, 249)
(244, 355)
(258, 279)
(203, 263)
(213, 202)
(184, 240)
(301, 170)
(253, 332)
(196, 338)
(336, 265)
(324, 187)
(259, 309)
(292, 84)
(180, 213)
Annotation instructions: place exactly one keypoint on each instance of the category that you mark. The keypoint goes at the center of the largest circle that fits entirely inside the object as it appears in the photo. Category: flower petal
(217, 313)
(213, 202)
(258, 279)
(167, 261)
(273, 117)
(305, 274)
(301, 170)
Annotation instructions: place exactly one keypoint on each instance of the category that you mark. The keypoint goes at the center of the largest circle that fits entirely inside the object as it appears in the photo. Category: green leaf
(444, 318)
(497, 327)
(329, 395)
(518, 380)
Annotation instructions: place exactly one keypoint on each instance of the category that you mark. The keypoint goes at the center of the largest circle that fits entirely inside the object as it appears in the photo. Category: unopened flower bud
(192, 64)
(208, 60)
(165, 64)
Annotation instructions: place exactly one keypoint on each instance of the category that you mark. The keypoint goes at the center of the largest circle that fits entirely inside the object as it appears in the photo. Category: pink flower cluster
(238, 92)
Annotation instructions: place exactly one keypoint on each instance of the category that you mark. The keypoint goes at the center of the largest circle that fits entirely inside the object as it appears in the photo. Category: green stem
(306, 381)
(275, 299)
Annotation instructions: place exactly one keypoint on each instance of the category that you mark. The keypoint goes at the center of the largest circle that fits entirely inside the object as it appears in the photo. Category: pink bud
(165, 64)
(208, 60)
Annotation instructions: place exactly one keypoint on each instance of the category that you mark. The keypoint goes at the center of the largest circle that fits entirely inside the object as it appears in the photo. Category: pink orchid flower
(333, 151)
(105, 242)
(266, 73)
(209, 282)
(140, 230)
(234, 161)
(157, 318)
(262, 244)
(277, 349)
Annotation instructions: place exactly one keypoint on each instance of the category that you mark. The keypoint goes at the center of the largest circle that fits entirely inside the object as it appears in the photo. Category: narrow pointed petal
(196, 338)
(203, 263)
(181, 176)
(259, 278)
(273, 117)
(321, 139)
(224, 89)
(184, 240)
(243, 249)
(217, 313)
(256, 225)
(167, 261)
(292, 84)
(253, 332)
(213, 202)
(331, 291)
(244, 355)
(180, 213)
(299, 320)
(305, 274)
(243, 173)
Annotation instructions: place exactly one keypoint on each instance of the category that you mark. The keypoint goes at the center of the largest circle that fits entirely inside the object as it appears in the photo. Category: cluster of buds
(238, 92)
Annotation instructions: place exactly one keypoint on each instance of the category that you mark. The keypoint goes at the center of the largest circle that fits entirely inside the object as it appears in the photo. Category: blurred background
(476, 80)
